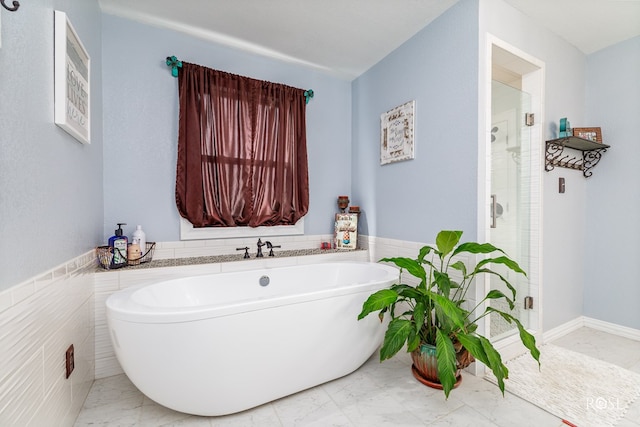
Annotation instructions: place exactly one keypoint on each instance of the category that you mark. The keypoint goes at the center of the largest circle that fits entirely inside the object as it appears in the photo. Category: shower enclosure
(514, 153)
(510, 195)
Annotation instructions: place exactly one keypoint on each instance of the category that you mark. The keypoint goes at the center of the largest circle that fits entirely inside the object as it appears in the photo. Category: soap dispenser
(119, 241)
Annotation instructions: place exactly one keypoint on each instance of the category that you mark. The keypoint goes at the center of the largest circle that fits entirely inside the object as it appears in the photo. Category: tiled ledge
(200, 248)
(215, 259)
(39, 319)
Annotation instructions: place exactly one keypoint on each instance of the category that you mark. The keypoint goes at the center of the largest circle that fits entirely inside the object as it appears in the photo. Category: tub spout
(271, 246)
(260, 245)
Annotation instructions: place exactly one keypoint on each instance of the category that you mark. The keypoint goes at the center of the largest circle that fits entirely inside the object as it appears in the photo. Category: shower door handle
(494, 206)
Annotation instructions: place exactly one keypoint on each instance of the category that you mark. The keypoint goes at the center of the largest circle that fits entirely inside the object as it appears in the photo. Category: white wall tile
(106, 281)
(21, 392)
(168, 253)
(82, 378)
(54, 407)
(107, 367)
(5, 300)
(46, 315)
(22, 291)
(103, 347)
(44, 280)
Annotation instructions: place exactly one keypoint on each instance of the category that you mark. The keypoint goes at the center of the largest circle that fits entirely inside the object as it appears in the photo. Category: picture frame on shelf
(397, 134)
(592, 134)
(345, 234)
(72, 80)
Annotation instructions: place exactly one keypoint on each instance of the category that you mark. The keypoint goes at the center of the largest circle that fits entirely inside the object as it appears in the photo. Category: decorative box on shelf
(346, 231)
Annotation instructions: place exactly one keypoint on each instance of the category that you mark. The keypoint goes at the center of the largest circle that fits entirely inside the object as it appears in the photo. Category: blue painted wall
(141, 115)
(612, 291)
(438, 68)
(50, 184)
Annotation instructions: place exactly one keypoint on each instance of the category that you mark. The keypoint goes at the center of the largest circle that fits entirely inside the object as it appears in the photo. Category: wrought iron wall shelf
(591, 153)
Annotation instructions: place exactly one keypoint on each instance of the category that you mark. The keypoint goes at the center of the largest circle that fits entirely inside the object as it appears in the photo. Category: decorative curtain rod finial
(308, 94)
(15, 7)
(172, 62)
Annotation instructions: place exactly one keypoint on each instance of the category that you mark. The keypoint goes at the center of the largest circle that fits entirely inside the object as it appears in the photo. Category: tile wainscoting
(39, 319)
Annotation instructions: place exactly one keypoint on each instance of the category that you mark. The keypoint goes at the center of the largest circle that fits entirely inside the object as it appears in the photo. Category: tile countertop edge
(175, 262)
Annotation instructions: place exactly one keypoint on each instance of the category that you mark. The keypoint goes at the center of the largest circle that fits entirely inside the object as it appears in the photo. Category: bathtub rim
(120, 305)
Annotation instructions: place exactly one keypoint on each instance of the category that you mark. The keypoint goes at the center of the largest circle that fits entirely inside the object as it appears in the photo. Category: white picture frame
(397, 134)
(72, 81)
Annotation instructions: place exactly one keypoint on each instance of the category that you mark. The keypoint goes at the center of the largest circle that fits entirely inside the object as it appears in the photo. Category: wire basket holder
(105, 256)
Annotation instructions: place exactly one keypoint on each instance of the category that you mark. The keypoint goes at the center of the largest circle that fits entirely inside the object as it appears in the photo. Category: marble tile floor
(377, 394)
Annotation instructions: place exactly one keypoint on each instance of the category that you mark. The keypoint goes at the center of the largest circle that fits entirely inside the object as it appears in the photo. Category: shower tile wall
(39, 319)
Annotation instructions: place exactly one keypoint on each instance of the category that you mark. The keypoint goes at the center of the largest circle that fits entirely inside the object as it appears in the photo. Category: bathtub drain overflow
(264, 280)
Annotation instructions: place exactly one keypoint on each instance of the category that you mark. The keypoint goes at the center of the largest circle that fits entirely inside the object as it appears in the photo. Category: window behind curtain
(242, 152)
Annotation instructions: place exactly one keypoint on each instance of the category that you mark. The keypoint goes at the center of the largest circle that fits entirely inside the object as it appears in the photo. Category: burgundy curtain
(242, 151)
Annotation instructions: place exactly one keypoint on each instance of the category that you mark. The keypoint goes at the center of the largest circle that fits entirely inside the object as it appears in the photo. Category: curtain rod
(15, 7)
(175, 63)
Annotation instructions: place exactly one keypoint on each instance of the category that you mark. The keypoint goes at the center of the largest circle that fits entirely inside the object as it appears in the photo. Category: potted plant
(430, 318)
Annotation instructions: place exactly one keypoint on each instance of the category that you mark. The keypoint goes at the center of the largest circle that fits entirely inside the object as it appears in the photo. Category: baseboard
(612, 328)
(588, 322)
(563, 329)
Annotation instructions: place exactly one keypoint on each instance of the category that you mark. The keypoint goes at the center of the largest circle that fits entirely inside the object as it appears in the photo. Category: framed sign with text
(72, 70)
(397, 134)
(346, 231)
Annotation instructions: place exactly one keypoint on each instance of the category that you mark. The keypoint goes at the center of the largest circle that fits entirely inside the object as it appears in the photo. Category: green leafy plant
(432, 312)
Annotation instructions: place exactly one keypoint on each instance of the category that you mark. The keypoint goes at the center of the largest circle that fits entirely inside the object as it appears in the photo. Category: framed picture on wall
(397, 134)
(72, 80)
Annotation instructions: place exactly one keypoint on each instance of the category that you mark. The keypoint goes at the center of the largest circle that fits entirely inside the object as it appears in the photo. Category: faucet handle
(246, 251)
(270, 246)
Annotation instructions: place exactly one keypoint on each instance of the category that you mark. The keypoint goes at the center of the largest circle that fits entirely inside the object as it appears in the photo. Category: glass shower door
(510, 198)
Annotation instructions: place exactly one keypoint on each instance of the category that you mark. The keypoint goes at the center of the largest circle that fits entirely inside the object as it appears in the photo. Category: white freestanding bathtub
(223, 343)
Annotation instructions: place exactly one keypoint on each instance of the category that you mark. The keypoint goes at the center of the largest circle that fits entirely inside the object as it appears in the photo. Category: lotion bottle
(140, 238)
(119, 241)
